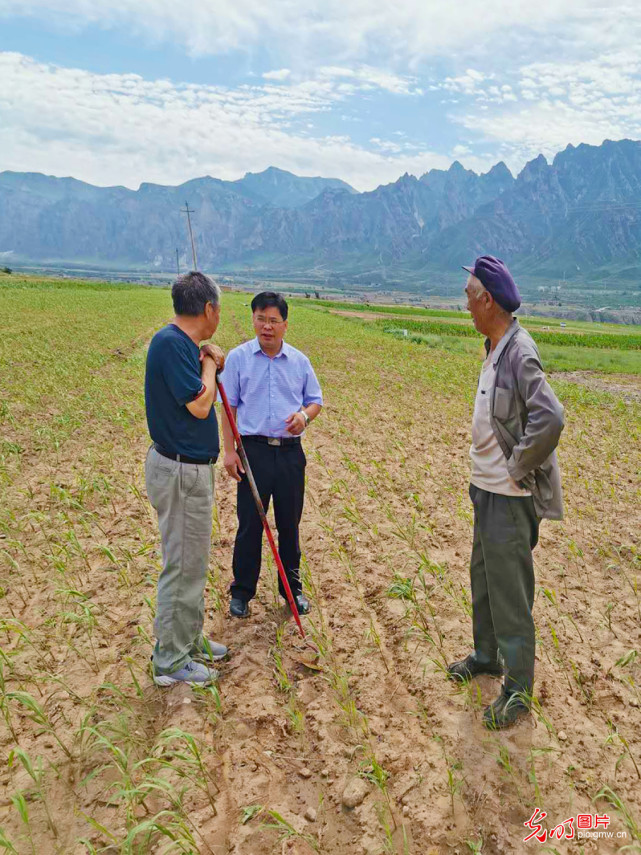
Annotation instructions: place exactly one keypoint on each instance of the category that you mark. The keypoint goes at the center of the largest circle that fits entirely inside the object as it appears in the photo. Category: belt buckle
(274, 440)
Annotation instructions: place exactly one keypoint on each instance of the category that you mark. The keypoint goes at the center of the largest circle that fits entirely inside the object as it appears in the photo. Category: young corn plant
(20, 803)
(37, 714)
(285, 685)
(286, 831)
(36, 773)
(168, 824)
(82, 617)
(615, 734)
(372, 634)
(5, 706)
(6, 844)
(607, 794)
(180, 752)
(373, 772)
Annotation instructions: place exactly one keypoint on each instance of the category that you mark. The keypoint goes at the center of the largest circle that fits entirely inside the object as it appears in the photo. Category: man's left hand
(216, 354)
(295, 423)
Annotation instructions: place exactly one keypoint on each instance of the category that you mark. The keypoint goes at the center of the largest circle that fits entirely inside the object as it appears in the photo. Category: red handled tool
(259, 507)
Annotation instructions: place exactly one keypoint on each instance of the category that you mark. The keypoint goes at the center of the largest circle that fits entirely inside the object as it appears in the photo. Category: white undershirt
(489, 466)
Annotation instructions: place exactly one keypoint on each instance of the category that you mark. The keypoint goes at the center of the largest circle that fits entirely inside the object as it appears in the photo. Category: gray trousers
(183, 496)
(506, 530)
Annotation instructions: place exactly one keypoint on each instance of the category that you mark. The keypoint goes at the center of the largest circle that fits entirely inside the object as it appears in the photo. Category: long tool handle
(259, 506)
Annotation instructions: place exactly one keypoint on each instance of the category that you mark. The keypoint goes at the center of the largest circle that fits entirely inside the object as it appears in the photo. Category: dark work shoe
(471, 667)
(238, 608)
(302, 604)
(505, 711)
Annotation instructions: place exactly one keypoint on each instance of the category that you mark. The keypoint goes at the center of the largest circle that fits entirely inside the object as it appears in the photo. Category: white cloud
(504, 87)
(123, 129)
(469, 83)
(563, 102)
(367, 77)
(279, 74)
(304, 30)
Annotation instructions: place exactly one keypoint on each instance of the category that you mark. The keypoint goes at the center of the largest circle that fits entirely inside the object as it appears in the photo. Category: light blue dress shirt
(266, 391)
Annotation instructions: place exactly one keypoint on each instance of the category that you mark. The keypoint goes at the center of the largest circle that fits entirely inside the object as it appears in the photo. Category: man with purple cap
(515, 482)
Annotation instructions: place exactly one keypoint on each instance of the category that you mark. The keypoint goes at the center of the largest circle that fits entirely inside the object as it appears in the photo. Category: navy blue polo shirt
(172, 380)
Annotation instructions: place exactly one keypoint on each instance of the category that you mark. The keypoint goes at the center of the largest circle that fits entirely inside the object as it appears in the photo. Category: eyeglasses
(261, 321)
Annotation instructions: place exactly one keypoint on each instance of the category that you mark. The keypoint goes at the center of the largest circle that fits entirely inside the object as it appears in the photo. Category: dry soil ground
(371, 749)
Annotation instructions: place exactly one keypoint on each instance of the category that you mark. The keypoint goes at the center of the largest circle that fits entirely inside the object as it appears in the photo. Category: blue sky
(152, 90)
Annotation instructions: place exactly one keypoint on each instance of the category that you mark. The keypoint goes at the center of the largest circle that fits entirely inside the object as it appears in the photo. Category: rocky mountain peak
(500, 172)
(582, 208)
(533, 170)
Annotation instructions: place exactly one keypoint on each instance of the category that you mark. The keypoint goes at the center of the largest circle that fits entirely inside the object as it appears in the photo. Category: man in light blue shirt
(274, 395)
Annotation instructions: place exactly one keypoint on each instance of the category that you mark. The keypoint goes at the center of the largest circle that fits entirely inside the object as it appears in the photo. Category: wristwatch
(305, 416)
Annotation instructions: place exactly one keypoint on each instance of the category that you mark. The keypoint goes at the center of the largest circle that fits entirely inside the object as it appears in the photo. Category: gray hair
(192, 291)
(477, 288)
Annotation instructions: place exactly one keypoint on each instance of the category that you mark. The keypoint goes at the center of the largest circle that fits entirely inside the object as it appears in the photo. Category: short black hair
(266, 299)
(191, 292)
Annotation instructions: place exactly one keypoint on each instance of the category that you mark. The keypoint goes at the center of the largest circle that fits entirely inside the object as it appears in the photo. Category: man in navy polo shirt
(180, 388)
(274, 394)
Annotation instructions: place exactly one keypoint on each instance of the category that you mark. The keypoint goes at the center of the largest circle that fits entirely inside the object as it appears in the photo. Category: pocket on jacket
(543, 486)
(504, 404)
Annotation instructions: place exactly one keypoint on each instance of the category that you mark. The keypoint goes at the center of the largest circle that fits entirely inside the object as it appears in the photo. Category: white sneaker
(193, 673)
(209, 651)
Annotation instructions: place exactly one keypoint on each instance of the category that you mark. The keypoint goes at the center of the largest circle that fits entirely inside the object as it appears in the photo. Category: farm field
(577, 346)
(370, 750)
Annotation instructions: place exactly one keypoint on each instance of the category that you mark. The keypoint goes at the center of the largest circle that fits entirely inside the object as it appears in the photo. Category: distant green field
(39, 283)
(420, 311)
(602, 340)
(554, 357)
(461, 316)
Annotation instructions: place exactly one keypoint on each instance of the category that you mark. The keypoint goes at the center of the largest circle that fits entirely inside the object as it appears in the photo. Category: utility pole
(177, 263)
(187, 210)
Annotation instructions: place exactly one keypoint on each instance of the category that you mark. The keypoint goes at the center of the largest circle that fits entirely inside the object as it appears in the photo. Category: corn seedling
(6, 844)
(455, 778)
(20, 804)
(286, 830)
(613, 734)
(180, 752)
(37, 714)
(249, 812)
(608, 795)
(373, 771)
(36, 773)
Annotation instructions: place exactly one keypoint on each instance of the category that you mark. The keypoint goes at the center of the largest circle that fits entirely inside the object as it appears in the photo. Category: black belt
(273, 440)
(181, 458)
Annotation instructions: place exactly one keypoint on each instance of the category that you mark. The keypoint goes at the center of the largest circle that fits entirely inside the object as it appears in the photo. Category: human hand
(296, 423)
(233, 465)
(213, 351)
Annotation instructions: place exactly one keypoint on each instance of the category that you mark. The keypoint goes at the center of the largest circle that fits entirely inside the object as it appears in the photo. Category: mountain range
(575, 217)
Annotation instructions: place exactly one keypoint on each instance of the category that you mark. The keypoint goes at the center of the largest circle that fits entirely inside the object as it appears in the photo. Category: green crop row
(420, 311)
(20, 283)
(607, 341)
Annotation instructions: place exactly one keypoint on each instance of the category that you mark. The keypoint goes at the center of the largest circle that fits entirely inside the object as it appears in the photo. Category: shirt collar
(285, 349)
(500, 347)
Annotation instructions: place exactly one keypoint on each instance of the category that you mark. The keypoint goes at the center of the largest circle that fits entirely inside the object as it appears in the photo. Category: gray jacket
(527, 419)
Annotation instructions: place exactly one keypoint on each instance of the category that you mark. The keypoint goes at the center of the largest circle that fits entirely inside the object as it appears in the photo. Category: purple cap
(497, 279)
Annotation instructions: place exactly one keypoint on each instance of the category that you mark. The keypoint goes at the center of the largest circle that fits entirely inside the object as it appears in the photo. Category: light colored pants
(183, 496)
